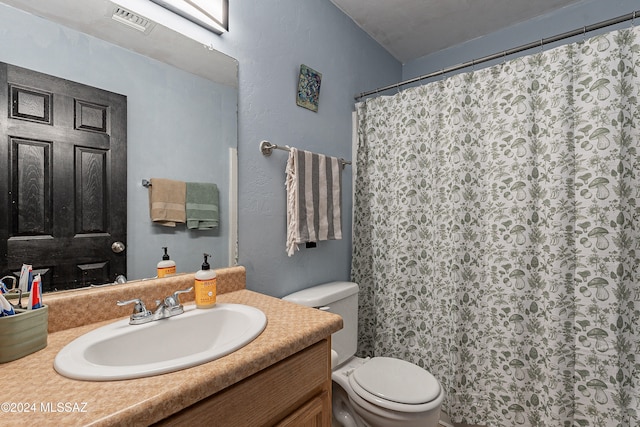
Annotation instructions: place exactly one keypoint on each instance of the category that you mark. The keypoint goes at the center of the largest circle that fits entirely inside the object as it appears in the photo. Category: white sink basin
(121, 351)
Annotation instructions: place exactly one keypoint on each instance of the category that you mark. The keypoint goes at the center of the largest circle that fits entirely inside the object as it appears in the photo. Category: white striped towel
(314, 198)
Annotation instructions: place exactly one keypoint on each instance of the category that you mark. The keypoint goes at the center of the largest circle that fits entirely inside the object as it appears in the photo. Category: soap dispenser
(166, 267)
(205, 285)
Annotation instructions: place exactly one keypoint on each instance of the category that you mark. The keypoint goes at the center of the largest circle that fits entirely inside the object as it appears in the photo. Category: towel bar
(266, 148)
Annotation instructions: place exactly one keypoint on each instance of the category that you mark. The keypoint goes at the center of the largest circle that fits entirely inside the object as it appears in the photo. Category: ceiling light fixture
(209, 14)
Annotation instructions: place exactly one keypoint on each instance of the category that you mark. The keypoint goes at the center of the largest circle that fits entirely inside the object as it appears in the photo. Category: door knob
(117, 247)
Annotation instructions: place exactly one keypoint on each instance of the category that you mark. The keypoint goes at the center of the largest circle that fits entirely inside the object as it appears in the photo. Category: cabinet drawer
(266, 397)
(311, 414)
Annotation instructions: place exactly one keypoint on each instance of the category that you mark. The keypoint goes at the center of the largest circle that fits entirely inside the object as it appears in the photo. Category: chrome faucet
(166, 308)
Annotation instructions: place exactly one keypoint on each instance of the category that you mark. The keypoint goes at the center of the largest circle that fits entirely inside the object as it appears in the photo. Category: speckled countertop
(33, 393)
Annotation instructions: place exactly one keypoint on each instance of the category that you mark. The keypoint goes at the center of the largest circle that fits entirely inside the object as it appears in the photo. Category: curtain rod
(603, 24)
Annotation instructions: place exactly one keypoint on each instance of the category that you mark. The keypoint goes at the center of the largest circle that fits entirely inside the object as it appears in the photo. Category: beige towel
(167, 201)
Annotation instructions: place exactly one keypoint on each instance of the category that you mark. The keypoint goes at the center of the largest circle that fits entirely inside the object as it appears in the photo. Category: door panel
(91, 191)
(31, 187)
(63, 154)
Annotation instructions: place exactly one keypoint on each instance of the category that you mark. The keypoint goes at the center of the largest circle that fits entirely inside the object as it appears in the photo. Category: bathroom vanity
(283, 377)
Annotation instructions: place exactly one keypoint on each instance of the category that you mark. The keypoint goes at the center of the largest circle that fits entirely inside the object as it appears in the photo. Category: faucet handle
(140, 313)
(139, 305)
(172, 303)
(174, 299)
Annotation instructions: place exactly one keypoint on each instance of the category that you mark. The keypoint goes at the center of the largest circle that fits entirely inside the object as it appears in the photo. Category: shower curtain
(496, 235)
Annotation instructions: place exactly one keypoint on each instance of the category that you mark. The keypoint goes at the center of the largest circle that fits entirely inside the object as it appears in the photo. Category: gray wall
(179, 126)
(271, 39)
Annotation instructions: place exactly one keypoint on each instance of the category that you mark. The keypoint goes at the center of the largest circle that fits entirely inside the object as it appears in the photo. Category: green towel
(202, 206)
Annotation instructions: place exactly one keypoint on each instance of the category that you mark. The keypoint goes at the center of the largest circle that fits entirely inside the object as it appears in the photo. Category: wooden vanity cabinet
(295, 392)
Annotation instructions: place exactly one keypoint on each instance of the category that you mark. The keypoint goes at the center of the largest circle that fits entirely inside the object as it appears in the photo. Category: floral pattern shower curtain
(496, 235)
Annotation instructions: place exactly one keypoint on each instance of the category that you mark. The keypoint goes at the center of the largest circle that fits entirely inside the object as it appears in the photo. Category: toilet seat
(395, 384)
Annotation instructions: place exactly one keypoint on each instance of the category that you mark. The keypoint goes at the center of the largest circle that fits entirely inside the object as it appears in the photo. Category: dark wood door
(63, 167)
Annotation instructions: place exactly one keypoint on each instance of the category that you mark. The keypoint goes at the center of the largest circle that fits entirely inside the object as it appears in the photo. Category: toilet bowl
(371, 392)
(385, 392)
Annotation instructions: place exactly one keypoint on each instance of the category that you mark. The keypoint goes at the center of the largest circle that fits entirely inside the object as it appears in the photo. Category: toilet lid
(397, 381)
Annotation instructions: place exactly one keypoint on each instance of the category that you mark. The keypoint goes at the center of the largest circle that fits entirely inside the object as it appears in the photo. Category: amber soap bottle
(205, 285)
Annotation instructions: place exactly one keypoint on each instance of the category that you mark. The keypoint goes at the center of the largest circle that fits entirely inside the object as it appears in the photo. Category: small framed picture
(308, 88)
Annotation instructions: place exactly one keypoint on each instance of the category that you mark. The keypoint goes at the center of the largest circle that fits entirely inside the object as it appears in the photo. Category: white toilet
(375, 392)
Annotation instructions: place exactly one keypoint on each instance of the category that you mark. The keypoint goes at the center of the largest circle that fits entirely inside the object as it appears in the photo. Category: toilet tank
(340, 298)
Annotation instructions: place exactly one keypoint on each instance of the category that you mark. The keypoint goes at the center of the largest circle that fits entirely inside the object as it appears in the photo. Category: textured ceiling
(410, 29)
